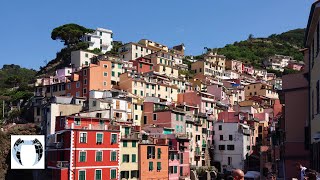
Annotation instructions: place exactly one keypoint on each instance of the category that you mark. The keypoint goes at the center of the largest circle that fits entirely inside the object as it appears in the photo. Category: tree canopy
(70, 34)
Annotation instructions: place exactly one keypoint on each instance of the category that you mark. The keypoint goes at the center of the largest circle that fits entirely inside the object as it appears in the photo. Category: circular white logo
(16, 150)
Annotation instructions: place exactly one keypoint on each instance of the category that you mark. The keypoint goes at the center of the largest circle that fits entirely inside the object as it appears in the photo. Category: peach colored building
(96, 76)
(234, 65)
(153, 161)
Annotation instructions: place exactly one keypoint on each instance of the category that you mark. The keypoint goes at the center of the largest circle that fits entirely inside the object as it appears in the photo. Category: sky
(25, 26)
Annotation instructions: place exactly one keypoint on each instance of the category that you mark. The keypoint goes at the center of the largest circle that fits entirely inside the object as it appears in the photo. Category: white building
(81, 58)
(232, 144)
(115, 102)
(100, 38)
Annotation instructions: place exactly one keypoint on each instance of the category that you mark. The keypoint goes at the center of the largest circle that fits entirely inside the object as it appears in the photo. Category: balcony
(92, 127)
(198, 122)
(62, 164)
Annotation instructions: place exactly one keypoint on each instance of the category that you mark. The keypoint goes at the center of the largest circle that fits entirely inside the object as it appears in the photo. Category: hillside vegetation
(254, 50)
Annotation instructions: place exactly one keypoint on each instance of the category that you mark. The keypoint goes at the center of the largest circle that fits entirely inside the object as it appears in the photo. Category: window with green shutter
(82, 175)
(98, 174)
(175, 169)
(82, 156)
(99, 137)
(125, 143)
(113, 156)
(150, 166)
(181, 117)
(135, 92)
(158, 166)
(177, 117)
(147, 86)
(159, 153)
(150, 67)
(119, 73)
(152, 86)
(140, 65)
(112, 74)
(114, 138)
(134, 158)
(160, 61)
(134, 144)
(98, 156)
(113, 174)
(141, 93)
(119, 66)
(126, 130)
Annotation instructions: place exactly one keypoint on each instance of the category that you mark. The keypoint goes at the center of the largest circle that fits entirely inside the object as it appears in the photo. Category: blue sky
(26, 25)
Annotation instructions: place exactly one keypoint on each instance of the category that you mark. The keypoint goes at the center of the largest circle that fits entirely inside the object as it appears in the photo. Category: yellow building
(260, 89)
(153, 45)
(217, 59)
(169, 71)
(207, 68)
(143, 86)
(128, 160)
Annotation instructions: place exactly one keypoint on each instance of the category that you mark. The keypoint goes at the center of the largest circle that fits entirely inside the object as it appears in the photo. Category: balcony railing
(63, 164)
(93, 127)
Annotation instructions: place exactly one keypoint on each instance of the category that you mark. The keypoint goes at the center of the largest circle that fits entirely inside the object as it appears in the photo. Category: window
(112, 73)
(125, 143)
(119, 73)
(125, 158)
(229, 160)
(86, 54)
(134, 158)
(177, 117)
(98, 156)
(135, 174)
(135, 107)
(150, 166)
(175, 169)
(85, 91)
(230, 147)
(105, 74)
(104, 83)
(136, 55)
(136, 117)
(230, 137)
(150, 67)
(124, 175)
(83, 137)
(94, 103)
(119, 66)
(221, 137)
(113, 173)
(98, 174)
(82, 175)
(145, 118)
(158, 166)
(150, 152)
(77, 94)
(220, 127)
(134, 144)
(318, 98)
(113, 138)
(159, 153)
(140, 65)
(85, 81)
(181, 117)
(100, 34)
(78, 84)
(135, 92)
(82, 157)
(113, 156)
(221, 147)
(99, 138)
(154, 117)
(141, 93)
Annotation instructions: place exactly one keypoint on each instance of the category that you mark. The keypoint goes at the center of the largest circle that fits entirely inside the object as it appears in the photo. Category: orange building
(153, 161)
(97, 76)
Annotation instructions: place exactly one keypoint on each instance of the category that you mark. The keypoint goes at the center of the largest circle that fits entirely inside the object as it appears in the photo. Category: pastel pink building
(248, 70)
(295, 66)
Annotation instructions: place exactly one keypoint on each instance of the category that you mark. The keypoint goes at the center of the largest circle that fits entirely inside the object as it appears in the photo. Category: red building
(84, 148)
(143, 64)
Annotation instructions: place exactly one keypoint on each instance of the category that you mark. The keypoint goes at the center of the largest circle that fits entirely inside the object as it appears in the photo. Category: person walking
(302, 170)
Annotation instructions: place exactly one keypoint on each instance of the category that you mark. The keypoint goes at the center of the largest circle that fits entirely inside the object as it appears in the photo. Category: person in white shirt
(302, 170)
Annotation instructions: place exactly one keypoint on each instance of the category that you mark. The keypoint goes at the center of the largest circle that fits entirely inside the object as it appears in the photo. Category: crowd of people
(305, 174)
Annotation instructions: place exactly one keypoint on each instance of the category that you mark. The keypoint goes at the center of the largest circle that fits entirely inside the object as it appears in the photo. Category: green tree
(70, 34)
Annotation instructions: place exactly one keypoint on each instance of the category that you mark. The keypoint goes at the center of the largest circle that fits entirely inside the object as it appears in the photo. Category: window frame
(100, 151)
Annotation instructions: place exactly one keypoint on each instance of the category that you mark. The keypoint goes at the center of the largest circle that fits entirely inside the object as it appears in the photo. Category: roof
(309, 21)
